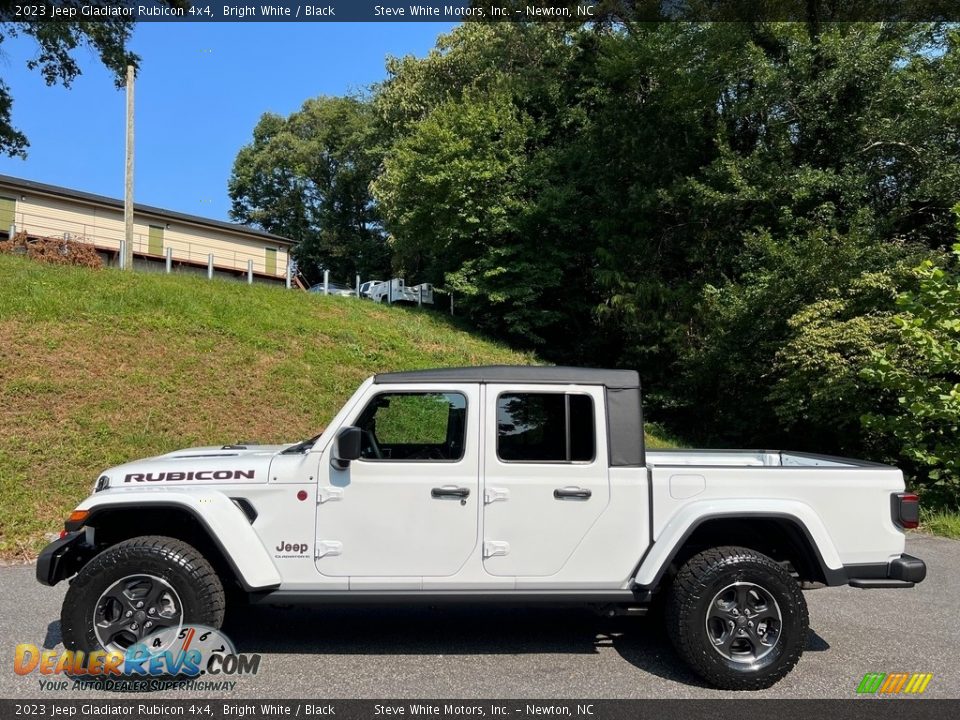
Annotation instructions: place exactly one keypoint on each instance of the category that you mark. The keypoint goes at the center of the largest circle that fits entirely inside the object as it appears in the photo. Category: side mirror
(346, 447)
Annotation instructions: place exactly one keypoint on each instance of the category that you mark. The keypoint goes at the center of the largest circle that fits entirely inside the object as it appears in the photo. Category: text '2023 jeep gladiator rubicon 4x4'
(517, 484)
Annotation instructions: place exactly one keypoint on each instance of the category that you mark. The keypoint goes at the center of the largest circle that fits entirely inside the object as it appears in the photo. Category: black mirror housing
(346, 447)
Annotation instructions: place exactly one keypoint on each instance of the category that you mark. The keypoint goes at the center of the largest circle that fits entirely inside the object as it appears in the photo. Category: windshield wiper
(301, 446)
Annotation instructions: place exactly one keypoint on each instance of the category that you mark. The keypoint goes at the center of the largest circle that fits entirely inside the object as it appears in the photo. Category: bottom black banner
(861, 709)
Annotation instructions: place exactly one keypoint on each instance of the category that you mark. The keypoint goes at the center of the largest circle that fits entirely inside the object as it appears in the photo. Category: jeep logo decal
(192, 475)
(299, 549)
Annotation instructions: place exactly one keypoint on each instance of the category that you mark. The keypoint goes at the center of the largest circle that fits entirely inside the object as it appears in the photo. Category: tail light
(905, 510)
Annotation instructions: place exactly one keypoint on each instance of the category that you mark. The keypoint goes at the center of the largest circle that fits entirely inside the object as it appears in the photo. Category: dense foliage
(918, 372)
(307, 177)
(730, 208)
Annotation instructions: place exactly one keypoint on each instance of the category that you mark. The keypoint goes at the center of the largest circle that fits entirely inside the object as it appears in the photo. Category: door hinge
(492, 548)
(328, 493)
(492, 494)
(327, 548)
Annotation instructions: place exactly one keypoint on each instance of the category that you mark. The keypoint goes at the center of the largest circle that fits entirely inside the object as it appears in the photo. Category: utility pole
(127, 260)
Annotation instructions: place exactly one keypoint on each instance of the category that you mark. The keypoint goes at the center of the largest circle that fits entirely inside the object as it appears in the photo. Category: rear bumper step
(901, 572)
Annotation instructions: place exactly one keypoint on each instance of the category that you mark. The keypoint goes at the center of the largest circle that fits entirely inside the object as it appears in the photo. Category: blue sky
(200, 91)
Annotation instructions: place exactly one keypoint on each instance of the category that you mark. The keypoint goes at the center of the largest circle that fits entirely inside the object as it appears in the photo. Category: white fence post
(358, 284)
(210, 266)
(326, 282)
(13, 229)
(289, 273)
(123, 254)
(250, 272)
(169, 260)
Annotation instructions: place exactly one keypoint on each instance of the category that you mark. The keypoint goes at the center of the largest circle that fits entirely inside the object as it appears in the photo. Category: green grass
(656, 437)
(941, 522)
(101, 367)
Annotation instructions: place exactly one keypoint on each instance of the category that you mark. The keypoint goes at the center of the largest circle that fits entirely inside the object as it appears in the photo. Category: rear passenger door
(545, 476)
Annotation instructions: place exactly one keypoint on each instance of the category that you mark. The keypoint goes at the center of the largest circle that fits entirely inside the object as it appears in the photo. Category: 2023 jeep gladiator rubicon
(517, 484)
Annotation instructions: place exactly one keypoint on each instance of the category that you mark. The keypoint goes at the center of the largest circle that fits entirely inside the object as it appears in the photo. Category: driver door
(408, 506)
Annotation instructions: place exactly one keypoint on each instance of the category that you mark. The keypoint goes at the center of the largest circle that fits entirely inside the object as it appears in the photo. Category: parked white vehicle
(396, 290)
(367, 287)
(519, 484)
(332, 289)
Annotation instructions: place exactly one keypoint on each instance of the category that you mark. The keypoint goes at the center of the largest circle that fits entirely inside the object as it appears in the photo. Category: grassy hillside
(100, 367)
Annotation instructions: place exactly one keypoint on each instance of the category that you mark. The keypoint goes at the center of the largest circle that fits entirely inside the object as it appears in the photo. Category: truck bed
(749, 458)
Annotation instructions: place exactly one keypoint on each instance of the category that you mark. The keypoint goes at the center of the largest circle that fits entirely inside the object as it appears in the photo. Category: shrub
(920, 370)
(819, 394)
(54, 251)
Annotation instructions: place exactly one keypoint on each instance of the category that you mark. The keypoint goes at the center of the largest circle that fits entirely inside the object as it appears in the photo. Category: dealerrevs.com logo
(175, 657)
(899, 683)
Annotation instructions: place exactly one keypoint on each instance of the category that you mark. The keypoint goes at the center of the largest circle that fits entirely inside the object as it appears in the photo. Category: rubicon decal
(190, 475)
(894, 683)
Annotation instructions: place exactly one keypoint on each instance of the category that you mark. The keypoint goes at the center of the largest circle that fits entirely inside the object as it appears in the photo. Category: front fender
(225, 523)
(682, 525)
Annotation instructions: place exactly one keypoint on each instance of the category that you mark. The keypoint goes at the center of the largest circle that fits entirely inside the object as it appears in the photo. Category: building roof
(531, 374)
(45, 189)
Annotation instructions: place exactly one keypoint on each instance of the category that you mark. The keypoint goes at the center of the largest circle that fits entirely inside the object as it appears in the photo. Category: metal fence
(202, 256)
(170, 251)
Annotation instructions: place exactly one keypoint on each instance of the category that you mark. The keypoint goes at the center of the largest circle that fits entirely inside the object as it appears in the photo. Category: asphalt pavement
(498, 652)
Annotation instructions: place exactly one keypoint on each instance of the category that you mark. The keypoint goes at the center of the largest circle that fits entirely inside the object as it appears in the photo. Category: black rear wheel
(737, 618)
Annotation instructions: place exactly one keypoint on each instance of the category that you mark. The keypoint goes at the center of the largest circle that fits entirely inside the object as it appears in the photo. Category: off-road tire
(177, 563)
(694, 589)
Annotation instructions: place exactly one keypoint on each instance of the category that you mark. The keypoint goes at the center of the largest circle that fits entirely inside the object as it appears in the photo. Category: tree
(55, 60)
(831, 156)
(452, 195)
(471, 177)
(729, 208)
(308, 177)
(918, 373)
(819, 393)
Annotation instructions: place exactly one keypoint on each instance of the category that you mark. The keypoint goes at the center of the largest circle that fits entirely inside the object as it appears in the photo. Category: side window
(545, 427)
(414, 426)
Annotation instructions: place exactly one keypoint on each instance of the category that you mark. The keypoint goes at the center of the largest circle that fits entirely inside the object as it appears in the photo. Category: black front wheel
(737, 618)
(136, 588)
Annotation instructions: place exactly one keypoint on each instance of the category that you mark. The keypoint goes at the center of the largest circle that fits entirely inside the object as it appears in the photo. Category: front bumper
(63, 558)
(904, 571)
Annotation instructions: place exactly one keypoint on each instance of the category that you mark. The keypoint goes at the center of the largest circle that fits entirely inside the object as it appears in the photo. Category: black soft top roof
(531, 374)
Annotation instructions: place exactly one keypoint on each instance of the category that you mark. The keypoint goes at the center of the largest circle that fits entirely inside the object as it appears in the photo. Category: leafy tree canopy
(730, 208)
(307, 177)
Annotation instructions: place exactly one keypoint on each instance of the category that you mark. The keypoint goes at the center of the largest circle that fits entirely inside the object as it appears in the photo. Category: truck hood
(215, 464)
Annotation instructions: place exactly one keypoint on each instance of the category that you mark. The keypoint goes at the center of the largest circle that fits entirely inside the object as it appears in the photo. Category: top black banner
(604, 11)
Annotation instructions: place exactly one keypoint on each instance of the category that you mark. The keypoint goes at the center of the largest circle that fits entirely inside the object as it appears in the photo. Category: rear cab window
(545, 427)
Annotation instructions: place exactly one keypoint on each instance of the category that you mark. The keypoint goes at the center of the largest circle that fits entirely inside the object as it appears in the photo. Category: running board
(414, 597)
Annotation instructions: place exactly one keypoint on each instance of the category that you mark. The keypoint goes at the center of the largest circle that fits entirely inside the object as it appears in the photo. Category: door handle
(451, 492)
(572, 493)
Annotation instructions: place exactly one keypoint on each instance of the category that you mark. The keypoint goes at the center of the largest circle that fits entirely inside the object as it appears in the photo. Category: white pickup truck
(396, 290)
(510, 484)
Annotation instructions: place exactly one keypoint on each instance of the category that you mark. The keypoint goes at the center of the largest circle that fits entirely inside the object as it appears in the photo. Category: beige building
(190, 241)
